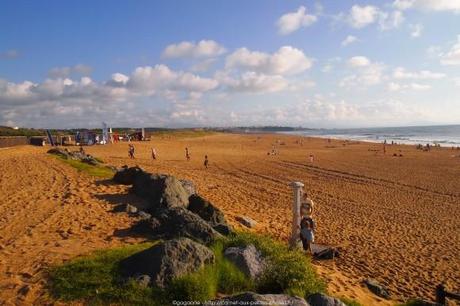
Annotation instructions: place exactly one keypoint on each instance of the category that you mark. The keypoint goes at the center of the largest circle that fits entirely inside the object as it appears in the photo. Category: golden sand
(396, 219)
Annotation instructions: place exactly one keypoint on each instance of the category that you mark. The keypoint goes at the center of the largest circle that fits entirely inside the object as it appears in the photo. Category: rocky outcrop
(248, 259)
(127, 175)
(208, 212)
(251, 298)
(198, 219)
(246, 221)
(180, 222)
(74, 155)
(165, 261)
(319, 299)
(161, 191)
(375, 287)
(189, 187)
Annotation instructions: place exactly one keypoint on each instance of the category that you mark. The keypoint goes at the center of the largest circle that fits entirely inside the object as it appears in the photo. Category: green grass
(185, 133)
(95, 279)
(289, 271)
(97, 171)
(349, 302)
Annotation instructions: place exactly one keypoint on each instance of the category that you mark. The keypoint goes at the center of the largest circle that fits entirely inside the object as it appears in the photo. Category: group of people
(131, 152)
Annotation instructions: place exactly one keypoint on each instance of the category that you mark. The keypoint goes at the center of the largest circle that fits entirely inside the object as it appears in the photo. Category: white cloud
(186, 49)
(286, 61)
(361, 16)
(452, 57)
(456, 81)
(416, 30)
(255, 82)
(64, 72)
(365, 72)
(203, 66)
(349, 40)
(392, 86)
(9, 54)
(359, 61)
(402, 73)
(291, 22)
(388, 21)
(428, 5)
(20, 102)
(149, 80)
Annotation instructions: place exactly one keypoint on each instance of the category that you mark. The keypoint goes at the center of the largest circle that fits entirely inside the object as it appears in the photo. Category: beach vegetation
(99, 171)
(96, 278)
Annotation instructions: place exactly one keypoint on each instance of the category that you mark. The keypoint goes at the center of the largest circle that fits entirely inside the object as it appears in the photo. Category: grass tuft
(97, 171)
(289, 271)
(349, 302)
(95, 279)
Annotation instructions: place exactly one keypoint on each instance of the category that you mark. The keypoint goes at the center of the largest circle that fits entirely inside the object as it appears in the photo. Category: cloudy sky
(229, 63)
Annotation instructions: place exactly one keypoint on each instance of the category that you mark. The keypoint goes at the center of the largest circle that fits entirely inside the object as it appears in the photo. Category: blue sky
(228, 63)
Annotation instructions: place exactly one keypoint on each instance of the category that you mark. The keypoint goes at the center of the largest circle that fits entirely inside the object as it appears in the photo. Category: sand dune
(395, 218)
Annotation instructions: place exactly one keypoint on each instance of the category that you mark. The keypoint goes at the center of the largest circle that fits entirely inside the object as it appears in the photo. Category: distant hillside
(8, 131)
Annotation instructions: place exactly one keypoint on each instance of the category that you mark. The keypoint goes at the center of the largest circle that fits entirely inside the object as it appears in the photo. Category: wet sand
(396, 219)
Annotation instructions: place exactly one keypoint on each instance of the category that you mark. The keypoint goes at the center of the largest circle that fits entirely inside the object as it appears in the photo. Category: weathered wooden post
(297, 192)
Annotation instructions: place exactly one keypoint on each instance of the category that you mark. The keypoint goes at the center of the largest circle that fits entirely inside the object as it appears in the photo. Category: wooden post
(297, 190)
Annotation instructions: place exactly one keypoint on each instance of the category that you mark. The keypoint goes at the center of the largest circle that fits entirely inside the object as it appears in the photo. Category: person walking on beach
(154, 154)
(131, 151)
(206, 161)
(312, 158)
(307, 224)
(187, 154)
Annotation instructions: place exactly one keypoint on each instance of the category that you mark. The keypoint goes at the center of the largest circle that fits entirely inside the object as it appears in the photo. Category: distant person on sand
(206, 161)
(154, 154)
(131, 151)
(312, 158)
(307, 224)
(187, 154)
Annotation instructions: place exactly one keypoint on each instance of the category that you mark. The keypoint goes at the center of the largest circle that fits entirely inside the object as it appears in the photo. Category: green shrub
(289, 271)
(95, 279)
(97, 171)
(222, 276)
(197, 286)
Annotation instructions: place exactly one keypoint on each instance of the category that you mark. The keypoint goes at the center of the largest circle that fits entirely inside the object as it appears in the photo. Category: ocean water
(445, 135)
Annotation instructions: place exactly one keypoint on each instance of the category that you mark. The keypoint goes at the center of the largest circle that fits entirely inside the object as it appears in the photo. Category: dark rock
(160, 190)
(326, 253)
(167, 260)
(319, 299)
(143, 280)
(180, 222)
(376, 288)
(248, 259)
(223, 229)
(206, 210)
(420, 302)
(64, 153)
(89, 160)
(251, 298)
(143, 215)
(130, 209)
(246, 221)
(189, 187)
(127, 175)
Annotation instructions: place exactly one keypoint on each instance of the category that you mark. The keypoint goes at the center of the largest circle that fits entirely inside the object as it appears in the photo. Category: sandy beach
(395, 219)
